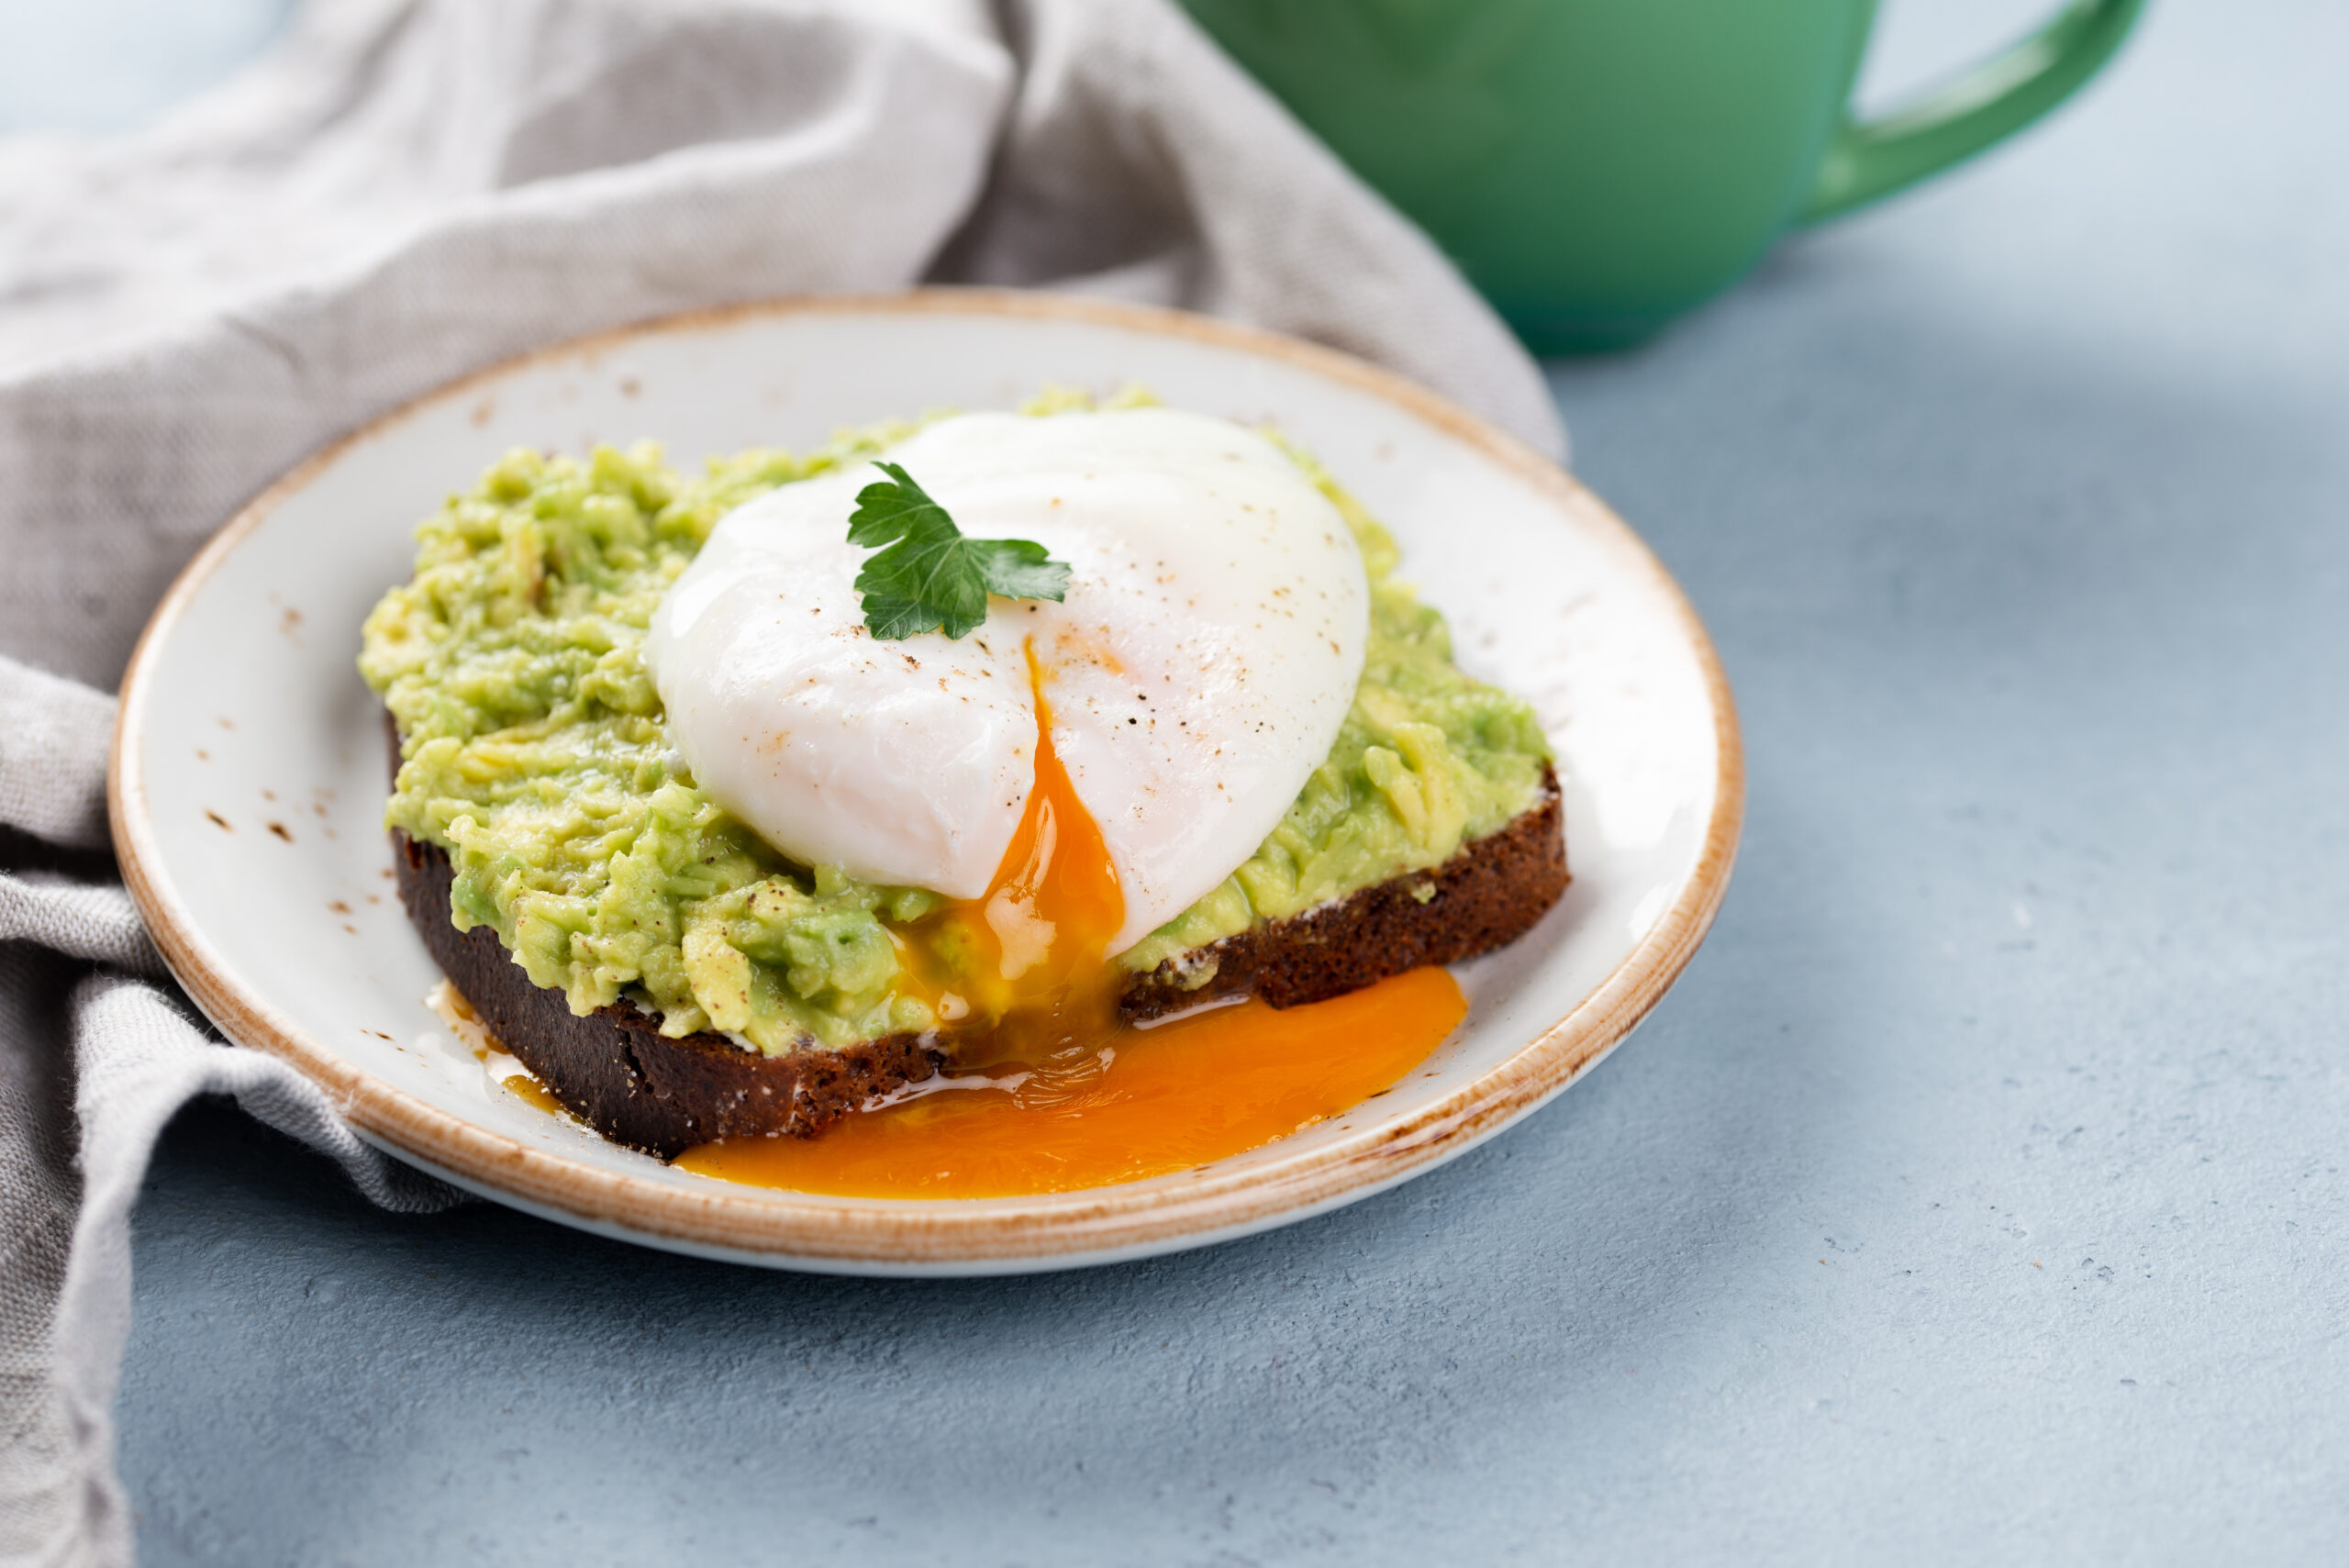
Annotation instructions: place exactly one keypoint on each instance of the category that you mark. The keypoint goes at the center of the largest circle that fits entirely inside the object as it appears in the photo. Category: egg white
(1209, 646)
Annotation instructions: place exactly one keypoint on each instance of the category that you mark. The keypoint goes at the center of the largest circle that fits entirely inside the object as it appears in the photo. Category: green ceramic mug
(1598, 166)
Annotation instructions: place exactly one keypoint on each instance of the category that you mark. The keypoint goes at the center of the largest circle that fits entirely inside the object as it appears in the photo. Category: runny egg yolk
(1036, 944)
(1051, 1091)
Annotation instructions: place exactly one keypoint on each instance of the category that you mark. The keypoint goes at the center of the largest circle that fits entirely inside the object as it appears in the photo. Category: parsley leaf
(929, 577)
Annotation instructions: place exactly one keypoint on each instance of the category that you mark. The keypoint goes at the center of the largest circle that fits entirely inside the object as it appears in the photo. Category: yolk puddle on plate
(1191, 1090)
(1059, 1093)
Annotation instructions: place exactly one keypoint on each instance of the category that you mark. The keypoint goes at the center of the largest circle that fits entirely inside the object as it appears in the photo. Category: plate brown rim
(1060, 1229)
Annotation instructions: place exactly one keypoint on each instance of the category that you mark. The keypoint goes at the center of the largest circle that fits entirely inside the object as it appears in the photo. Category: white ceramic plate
(250, 771)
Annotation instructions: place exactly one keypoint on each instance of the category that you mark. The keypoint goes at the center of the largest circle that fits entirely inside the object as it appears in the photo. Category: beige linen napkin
(405, 190)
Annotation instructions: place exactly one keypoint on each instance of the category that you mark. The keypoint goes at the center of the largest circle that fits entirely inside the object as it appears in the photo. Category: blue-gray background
(1978, 1191)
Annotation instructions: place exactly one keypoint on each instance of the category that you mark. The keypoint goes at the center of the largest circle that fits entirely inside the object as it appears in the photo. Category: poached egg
(1197, 672)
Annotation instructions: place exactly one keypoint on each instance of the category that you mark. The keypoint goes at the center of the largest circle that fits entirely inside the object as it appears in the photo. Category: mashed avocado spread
(532, 750)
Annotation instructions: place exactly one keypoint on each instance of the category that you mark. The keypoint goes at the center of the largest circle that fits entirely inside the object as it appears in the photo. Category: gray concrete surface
(1978, 1193)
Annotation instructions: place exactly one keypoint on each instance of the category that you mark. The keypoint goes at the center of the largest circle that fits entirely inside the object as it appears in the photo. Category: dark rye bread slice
(614, 1071)
(1487, 895)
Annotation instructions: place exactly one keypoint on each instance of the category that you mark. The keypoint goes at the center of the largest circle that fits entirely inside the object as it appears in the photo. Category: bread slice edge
(614, 1070)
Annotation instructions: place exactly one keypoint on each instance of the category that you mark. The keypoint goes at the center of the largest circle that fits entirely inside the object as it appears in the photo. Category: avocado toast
(671, 978)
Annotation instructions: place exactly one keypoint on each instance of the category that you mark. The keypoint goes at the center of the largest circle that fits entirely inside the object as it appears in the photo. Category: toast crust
(1489, 892)
(615, 1070)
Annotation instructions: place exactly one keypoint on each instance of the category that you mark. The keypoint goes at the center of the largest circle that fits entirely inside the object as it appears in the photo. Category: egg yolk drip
(1032, 973)
(1050, 1090)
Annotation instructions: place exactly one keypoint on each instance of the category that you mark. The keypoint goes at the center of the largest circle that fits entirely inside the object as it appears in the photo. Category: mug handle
(1869, 159)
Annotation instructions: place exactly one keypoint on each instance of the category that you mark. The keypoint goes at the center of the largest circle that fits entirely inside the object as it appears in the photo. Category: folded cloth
(403, 191)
